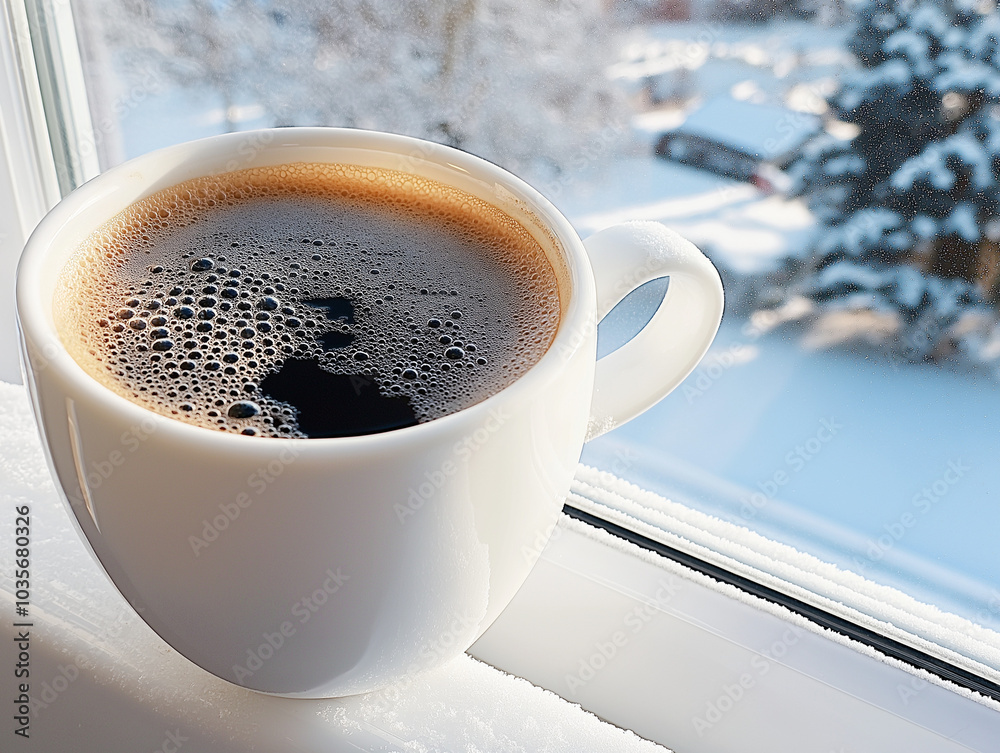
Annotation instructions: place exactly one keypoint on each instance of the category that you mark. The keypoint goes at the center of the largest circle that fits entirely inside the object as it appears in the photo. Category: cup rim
(35, 322)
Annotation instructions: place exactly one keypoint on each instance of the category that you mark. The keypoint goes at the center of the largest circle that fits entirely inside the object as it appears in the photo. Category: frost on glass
(521, 84)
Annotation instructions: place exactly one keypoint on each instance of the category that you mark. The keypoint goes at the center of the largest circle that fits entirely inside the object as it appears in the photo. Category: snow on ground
(739, 228)
(706, 59)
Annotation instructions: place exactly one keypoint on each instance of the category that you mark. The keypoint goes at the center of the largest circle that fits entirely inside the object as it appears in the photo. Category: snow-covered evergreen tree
(907, 205)
(520, 83)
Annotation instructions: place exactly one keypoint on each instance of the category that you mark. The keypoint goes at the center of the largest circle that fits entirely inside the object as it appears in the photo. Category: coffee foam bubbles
(189, 300)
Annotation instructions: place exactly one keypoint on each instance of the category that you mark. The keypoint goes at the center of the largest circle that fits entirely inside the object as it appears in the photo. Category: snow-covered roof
(763, 131)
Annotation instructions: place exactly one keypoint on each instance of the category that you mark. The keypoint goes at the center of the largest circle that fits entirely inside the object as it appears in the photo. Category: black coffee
(308, 300)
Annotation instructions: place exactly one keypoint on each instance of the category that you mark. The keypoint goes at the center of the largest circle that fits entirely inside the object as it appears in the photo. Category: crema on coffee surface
(308, 300)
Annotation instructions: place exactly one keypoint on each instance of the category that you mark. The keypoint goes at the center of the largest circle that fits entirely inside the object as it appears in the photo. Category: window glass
(836, 161)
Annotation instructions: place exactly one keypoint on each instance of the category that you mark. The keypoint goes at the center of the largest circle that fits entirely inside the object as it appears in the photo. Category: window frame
(28, 180)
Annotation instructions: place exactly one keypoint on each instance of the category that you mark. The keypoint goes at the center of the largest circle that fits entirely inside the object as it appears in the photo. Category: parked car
(740, 140)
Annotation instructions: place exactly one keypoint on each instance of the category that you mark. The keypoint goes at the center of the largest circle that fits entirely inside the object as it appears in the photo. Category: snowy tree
(907, 204)
(520, 83)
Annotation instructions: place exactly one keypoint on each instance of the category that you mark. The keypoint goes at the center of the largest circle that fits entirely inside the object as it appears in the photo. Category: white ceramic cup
(327, 567)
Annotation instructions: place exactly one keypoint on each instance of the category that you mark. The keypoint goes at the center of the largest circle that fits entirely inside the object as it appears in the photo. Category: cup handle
(641, 372)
